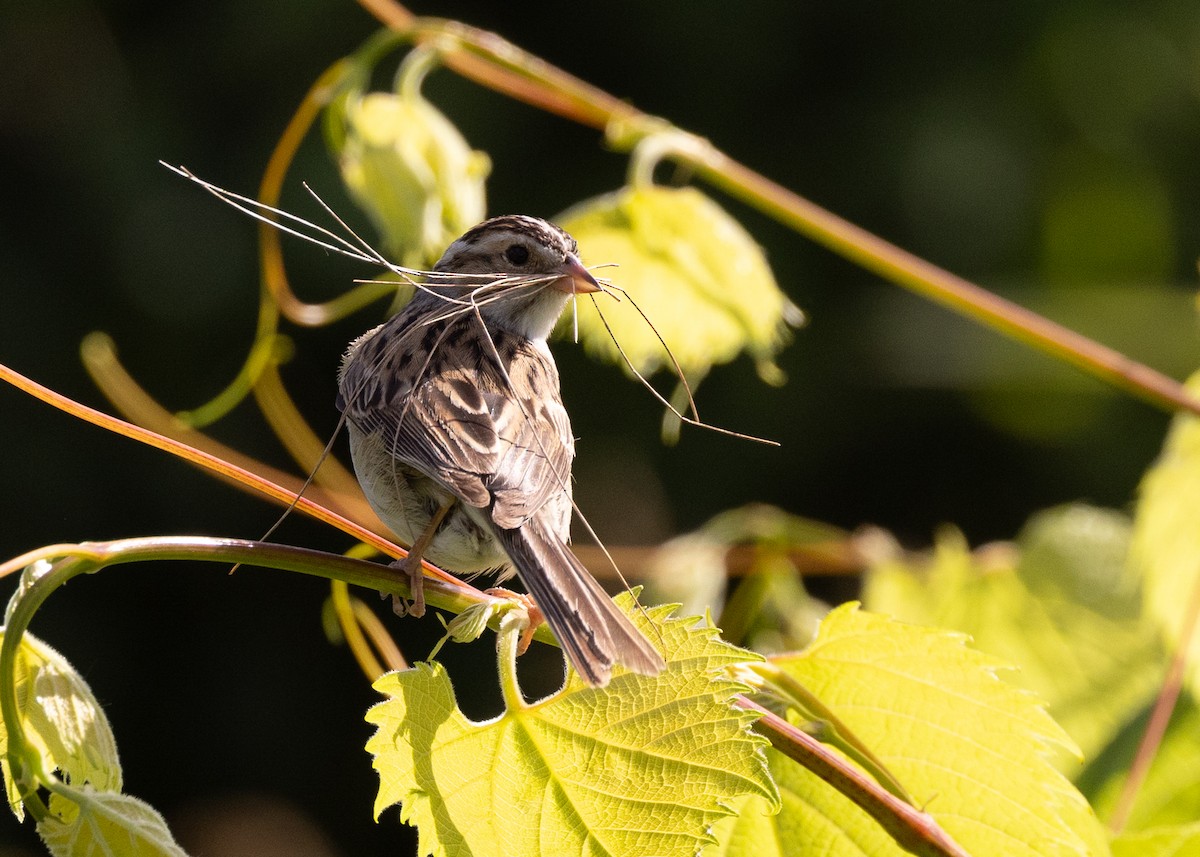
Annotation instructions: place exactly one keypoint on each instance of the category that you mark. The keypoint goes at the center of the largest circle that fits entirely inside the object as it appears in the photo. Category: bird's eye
(518, 254)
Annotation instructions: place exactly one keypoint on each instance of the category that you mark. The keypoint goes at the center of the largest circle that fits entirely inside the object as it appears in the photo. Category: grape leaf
(814, 820)
(1166, 539)
(1182, 841)
(970, 748)
(756, 828)
(91, 823)
(641, 767)
(405, 164)
(1056, 606)
(1170, 794)
(695, 272)
(62, 721)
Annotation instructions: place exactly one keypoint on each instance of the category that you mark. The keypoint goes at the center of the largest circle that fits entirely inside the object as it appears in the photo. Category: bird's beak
(575, 279)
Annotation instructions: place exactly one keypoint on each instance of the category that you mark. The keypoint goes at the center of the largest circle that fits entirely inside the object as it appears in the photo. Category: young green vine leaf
(1169, 792)
(63, 723)
(692, 269)
(970, 748)
(644, 766)
(403, 161)
(1055, 604)
(1166, 539)
(84, 822)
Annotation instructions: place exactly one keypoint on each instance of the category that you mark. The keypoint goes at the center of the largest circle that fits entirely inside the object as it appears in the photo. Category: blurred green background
(1046, 151)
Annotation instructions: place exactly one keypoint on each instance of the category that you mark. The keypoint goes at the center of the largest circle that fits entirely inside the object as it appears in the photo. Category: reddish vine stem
(911, 829)
(215, 465)
(951, 291)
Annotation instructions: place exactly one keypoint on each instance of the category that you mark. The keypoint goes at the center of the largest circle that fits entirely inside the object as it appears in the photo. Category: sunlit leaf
(62, 721)
(1056, 605)
(105, 823)
(408, 167)
(756, 827)
(970, 748)
(1080, 553)
(1181, 841)
(1170, 794)
(641, 767)
(695, 272)
(1166, 543)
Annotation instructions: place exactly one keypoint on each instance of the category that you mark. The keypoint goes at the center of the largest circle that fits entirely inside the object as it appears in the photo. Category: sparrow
(461, 442)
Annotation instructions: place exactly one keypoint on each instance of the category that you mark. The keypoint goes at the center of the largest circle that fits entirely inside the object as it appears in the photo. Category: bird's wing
(448, 410)
(532, 472)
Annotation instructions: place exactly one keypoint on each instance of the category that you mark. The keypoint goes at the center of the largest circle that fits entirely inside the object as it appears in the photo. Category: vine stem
(218, 466)
(493, 62)
(832, 730)
(951, 291)
(25, 762)
(512, 623)
(911, 829)
(67, 561)
(341, 604)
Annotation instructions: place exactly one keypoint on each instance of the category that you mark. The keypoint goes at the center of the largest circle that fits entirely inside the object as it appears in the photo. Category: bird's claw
(416, 586)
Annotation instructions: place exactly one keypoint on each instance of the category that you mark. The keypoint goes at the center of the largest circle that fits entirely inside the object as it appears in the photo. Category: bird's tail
(592, 630)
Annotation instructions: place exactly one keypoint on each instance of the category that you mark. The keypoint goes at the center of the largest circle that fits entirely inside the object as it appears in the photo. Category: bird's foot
(410, 566)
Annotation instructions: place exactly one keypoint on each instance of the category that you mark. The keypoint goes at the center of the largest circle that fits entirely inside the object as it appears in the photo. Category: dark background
(1047, 151)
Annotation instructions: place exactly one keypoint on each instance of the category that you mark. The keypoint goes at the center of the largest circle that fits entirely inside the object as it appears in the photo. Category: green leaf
(695, 272)
(63, 722)
(641, 767)
(970, 748)
(814, 821)
(1166, 540)
(757, 828)
(406, 164)
(87, 823)
(1055, 605)
(1181, 841)
(1170, 794)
